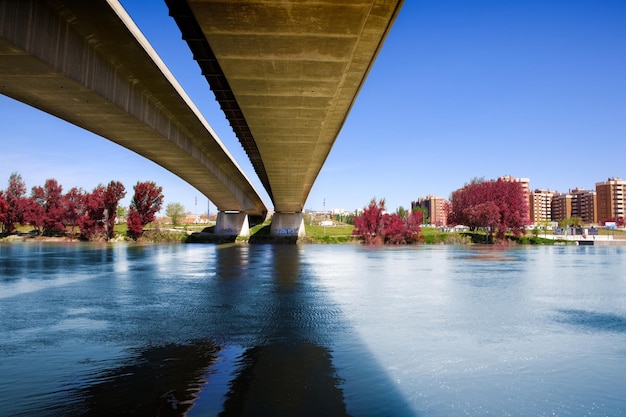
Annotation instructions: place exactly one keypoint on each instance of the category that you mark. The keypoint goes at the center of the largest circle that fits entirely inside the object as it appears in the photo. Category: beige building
(555, 206)
(541, 206)
(435, 209)
(611, 200)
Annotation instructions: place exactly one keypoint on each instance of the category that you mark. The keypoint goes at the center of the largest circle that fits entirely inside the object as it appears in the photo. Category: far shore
(326, 235)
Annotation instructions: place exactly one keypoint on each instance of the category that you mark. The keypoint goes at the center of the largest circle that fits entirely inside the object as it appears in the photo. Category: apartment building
(584, 205)
(611, 200)
(541, 206)
(434, 207)
(561, 206)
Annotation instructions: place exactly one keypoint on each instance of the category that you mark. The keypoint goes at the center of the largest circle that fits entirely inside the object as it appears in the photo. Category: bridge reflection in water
(263, 305)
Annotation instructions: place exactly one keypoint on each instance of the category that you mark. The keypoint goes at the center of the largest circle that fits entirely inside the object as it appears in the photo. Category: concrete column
(232, 224)
(287, 224)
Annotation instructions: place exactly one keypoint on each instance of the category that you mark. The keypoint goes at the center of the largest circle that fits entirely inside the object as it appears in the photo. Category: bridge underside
(286, 75)
(87, 63)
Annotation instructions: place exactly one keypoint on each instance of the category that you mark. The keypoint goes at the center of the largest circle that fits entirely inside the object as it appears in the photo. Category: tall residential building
(525, 182)
(610, 196)
(541, 206)
(434, 209)
(584, 205)
(561, 206)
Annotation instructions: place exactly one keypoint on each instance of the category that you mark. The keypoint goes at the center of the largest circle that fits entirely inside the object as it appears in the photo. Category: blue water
(312, 330)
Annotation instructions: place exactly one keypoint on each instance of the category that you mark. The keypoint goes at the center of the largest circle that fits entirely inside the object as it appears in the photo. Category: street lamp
(324, 217)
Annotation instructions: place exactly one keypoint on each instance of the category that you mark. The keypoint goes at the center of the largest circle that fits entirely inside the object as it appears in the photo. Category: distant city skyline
(531, 188)
(460, 90)
(606, 200)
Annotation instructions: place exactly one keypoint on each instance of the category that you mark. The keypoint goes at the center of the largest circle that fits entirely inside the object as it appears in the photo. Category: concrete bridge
(285, 73)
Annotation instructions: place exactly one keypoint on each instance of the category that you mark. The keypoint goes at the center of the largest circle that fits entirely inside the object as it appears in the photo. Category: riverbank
(260, 234)
(149, 236)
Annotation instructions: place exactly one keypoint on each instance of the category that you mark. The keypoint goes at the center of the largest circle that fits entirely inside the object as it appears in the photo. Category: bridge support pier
(232, 223)
(287, 225)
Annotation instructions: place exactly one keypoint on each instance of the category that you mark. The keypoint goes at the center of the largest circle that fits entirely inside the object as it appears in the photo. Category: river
(312, 330)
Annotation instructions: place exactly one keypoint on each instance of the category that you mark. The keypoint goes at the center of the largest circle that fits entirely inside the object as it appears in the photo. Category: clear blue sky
(461, 89)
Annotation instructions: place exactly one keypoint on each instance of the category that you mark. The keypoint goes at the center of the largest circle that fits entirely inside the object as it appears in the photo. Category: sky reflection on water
(340, 330)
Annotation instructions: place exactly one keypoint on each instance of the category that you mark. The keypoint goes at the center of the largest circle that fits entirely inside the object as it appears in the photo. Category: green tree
(175, 211)
(536, 231)
(568, 222)
(121, 212)
(544, 224)
(571, 221)
(576, 221)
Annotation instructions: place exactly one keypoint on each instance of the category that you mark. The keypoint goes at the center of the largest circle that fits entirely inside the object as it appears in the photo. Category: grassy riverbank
(155, 233)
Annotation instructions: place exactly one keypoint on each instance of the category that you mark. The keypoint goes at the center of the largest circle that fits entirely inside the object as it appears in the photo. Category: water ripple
(593, 321)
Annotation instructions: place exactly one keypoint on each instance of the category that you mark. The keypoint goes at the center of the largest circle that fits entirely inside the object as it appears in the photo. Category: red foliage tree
(146, 202)
(33, 214)
(375, 226)
(413, 226)
(492, 205)
(91, 222)
(33, 209)
(4, 210)
(485, 215)
(51, 216)
(369, 226)
(394, 229)
(49, 211)
(14, 197)
(133, 223)
(75, 207)
(619, 221)
(115, 191)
